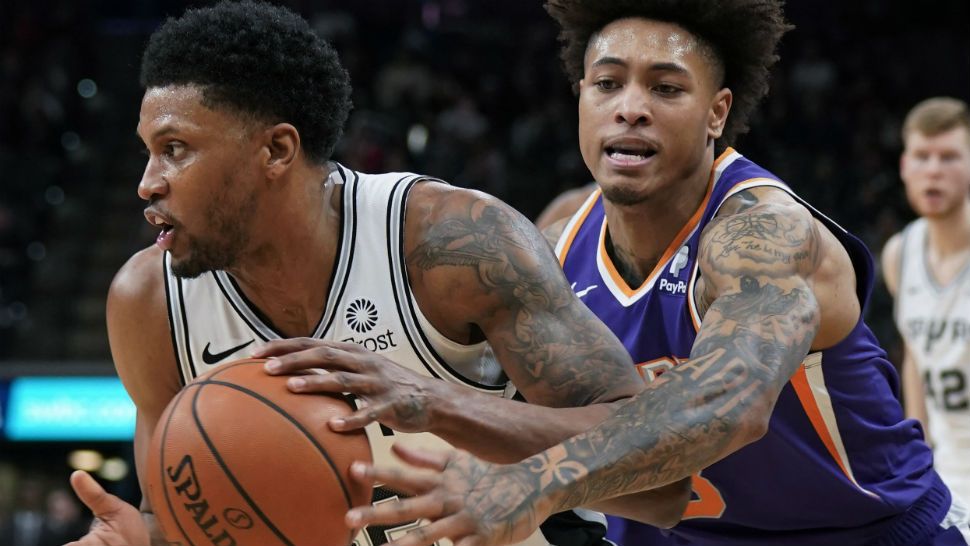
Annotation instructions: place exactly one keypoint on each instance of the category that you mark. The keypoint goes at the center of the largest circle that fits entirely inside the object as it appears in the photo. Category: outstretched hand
(470, 501)
(118, 523)
(392, 394)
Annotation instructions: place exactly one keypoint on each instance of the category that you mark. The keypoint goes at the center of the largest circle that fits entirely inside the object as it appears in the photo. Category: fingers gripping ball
(238, 460)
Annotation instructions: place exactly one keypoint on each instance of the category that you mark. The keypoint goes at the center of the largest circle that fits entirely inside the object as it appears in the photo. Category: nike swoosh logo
(584, 291)
(210, 358)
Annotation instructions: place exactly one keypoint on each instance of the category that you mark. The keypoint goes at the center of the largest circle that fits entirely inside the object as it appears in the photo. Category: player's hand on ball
(470, 501)
(118, 523)
(392, 394)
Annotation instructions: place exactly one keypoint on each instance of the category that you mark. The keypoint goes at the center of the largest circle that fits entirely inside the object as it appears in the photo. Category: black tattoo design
(754, 336)
(568, 356)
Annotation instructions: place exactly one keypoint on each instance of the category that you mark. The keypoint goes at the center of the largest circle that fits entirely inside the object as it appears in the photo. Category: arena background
(469, 91)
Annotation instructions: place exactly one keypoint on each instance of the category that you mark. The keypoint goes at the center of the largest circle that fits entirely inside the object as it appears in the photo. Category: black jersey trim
(409, 300)
(330, 308)
(185, 324)
(333, 299)
(239, 311)
(390, 264)
(171, 318)
(340, 171)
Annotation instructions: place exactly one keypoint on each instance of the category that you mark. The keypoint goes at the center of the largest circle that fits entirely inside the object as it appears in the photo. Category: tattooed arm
(762, 267)
(480, 270)
(552, 347)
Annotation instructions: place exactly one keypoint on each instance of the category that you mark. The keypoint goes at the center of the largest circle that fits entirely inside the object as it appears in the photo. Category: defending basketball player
(774, 394)
(927, 269)
(263, 238)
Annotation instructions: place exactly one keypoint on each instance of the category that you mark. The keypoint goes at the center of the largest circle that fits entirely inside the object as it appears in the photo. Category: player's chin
(625, 191)
(186, 266)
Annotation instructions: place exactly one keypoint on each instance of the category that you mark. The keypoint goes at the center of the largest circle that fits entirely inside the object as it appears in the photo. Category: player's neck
(638, 235)
(950, 235)
(286, 273)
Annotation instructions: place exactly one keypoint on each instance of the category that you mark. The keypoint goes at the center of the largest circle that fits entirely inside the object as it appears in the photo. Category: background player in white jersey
(263, 238)
(927, 269)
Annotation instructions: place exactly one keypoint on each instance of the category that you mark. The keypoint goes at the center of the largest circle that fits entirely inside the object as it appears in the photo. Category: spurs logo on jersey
(934, 321)
(928, 331)
(369, 303)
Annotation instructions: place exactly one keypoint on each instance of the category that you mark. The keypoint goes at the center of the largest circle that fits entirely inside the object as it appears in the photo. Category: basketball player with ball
(263, 238)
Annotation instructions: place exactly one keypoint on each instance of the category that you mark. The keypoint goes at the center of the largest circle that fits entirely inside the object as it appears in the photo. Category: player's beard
(623, 196)
(220, 243)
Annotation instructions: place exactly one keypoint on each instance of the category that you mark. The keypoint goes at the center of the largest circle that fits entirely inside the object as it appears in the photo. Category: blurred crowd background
(467, 90)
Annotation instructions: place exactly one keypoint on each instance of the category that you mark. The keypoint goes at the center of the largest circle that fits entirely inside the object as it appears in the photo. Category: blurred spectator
(64, 521)
(25, 525)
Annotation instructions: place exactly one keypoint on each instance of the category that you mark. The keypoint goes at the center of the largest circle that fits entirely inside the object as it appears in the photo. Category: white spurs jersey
(934, 321)
(370, 303)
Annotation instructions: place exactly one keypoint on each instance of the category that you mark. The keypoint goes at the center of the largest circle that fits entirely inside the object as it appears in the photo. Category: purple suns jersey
(839, 465)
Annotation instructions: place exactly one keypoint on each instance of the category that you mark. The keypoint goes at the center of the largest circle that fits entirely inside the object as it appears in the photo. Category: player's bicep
(551, 346)
(758, 266)
(509, 284)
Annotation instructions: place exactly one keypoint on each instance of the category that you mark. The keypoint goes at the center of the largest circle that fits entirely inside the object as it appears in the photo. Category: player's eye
(667, 89)
(606, 84)
(174, 149)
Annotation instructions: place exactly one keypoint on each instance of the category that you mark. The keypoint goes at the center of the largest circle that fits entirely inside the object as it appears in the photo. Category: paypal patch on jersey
(839, 463)
(674, 279)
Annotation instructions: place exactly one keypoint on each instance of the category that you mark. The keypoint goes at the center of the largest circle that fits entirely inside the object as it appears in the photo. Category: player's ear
(717, 117)
(282, 143)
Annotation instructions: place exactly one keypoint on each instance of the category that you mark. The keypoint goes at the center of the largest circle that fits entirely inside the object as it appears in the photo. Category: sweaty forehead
(645, 41)
(181, 107)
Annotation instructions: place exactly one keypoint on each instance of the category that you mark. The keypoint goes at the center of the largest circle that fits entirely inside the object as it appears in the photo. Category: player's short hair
(259, 60)
(741, 37)
(937, 115)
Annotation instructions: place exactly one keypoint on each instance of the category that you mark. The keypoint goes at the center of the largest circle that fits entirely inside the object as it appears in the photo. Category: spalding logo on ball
(238, 460)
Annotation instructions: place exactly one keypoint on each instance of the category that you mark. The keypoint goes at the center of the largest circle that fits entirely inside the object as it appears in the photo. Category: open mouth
(159, 222)
(627, 153)
(165, 237)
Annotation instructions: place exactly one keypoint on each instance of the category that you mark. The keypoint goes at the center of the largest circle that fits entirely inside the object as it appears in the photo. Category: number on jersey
(947, 389)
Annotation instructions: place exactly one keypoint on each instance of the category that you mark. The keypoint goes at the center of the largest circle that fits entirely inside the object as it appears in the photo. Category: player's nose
(633, 108)
(152, 184)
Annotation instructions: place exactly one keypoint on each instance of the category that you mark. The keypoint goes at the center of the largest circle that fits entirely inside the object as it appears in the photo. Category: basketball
(237, 459)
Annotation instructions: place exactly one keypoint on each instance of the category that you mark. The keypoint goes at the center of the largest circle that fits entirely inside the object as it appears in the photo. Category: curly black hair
(742, 34)
(259, 60)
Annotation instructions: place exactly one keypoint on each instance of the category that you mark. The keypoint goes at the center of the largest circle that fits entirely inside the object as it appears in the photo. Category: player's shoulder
(139, 331)
(762, 200)
(433, 203)
(140, 280)
(766, 227)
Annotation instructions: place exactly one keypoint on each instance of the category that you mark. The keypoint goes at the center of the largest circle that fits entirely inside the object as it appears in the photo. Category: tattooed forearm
(549, 343)
(703, 409)
(753, 338)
